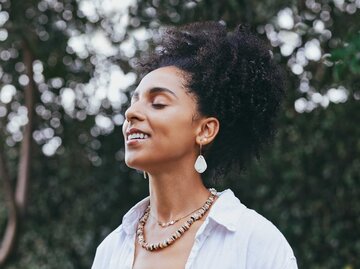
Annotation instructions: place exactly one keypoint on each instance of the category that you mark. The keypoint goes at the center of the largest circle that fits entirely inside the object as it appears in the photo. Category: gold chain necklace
(171, 222)
(176, 235)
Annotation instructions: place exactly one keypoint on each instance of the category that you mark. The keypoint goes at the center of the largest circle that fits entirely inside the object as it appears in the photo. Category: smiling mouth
(137, 136)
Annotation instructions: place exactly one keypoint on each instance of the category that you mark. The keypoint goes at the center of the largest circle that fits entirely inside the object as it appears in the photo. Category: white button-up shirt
(232, 236)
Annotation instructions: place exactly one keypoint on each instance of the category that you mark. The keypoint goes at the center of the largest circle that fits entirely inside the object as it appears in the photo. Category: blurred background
(65, 76)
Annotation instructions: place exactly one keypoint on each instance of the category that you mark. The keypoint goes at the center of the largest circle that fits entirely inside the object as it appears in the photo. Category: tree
(28, 40)
(82, 53)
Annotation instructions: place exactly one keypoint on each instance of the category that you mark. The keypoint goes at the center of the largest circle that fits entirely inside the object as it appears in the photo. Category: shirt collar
(226, 211)
(132, 217)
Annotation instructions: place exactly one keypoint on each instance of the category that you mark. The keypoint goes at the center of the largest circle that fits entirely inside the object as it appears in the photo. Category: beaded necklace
(176, 235)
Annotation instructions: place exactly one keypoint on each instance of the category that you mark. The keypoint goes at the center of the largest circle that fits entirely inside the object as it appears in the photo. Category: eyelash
(154, 105)
(158, 106)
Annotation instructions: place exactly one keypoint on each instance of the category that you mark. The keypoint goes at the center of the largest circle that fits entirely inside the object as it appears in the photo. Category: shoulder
(266, 245)
(106, 248)
(258, 239)
(260, 229)
(118, 243)
(111, 239)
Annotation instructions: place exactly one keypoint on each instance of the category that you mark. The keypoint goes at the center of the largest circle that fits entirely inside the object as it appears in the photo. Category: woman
(206, 105)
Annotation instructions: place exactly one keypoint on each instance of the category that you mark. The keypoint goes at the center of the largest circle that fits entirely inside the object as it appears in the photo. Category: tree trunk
(25, 151)
(9, 236)
(16, 204)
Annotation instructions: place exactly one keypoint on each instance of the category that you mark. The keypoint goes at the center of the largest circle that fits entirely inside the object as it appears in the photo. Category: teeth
(137, 136)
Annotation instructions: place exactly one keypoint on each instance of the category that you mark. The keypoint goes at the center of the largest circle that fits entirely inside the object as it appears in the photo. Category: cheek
(124, 127)
(177, 133)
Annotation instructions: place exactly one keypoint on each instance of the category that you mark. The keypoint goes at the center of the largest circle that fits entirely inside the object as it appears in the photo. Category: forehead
(169, 77)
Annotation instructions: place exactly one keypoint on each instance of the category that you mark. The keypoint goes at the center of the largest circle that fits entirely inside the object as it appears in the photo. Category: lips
(135, 134)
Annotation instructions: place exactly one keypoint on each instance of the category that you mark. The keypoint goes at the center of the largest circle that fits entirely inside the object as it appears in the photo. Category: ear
(207, 131)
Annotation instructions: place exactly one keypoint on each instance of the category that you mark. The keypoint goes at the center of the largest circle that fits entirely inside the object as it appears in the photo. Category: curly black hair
(234, 78)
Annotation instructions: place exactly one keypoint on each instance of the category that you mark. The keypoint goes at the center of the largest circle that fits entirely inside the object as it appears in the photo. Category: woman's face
(160, 126)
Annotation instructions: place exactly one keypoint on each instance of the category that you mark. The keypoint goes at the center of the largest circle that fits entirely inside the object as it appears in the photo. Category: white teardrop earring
(200, 164)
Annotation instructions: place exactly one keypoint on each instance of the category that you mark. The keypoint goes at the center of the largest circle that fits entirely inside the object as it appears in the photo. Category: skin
(169, 115)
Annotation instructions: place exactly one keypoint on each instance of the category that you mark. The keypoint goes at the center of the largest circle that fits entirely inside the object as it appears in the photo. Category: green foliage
(73, 204)
(307, 183)
(347, 59)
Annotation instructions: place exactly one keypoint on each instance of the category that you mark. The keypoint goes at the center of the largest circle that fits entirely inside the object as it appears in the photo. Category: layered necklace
(195, 215)
(171, 222)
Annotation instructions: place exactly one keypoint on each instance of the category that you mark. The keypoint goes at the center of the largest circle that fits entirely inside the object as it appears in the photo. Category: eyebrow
(135, 94)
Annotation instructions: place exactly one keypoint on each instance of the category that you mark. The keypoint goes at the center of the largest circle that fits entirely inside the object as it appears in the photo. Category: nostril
(133, 113)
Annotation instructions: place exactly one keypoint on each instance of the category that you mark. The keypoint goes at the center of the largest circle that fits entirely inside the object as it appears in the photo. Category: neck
(176, 193)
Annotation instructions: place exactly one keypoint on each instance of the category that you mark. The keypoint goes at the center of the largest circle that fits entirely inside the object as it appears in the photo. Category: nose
(134, 112)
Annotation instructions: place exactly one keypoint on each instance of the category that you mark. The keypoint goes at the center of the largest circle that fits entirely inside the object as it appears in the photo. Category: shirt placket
(131, 248)
(124, 260)
(200, 238)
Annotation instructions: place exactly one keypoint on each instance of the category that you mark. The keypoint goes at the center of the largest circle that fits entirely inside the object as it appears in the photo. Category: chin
(134, 163)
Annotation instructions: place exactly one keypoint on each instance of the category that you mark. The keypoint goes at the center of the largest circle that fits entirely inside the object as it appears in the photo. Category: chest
(174, 256)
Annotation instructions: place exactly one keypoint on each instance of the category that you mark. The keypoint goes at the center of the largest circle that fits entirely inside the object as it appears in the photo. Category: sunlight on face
(160, 127)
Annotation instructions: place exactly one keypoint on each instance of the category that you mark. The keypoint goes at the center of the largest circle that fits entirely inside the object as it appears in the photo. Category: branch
(25, 151)
(9, 237)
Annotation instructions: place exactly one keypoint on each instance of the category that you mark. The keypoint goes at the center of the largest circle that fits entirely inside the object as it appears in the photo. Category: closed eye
(158, 106)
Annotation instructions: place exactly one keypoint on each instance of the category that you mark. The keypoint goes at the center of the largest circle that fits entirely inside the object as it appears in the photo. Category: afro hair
(234, 78)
